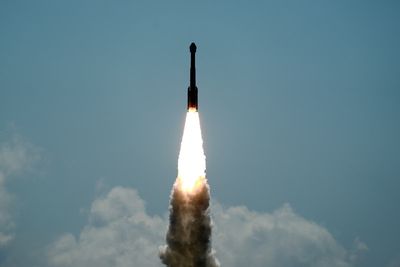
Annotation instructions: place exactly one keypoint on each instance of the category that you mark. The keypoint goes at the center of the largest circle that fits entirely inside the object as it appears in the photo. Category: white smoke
(120, 233)
(281, 238)
(189, 233)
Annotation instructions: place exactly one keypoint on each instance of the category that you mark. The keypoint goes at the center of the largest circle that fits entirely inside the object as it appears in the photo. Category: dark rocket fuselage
(192, 90)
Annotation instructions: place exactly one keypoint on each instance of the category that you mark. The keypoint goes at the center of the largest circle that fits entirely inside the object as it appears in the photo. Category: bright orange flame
(192, 161)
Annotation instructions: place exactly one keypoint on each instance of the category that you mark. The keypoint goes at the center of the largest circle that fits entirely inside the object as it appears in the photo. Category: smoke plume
(189, 233)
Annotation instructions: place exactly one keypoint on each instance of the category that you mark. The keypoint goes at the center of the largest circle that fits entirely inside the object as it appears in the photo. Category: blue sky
(298, 103)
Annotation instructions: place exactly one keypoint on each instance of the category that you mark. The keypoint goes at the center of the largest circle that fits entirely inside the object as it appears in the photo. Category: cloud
(120, 233)
(6, 223)
(282, 238)
(16, 156)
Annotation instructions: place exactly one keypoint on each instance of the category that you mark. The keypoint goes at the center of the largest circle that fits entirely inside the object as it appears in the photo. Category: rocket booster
(192, 103)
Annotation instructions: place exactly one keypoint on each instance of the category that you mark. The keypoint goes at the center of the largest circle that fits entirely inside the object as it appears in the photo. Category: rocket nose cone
(193, 48)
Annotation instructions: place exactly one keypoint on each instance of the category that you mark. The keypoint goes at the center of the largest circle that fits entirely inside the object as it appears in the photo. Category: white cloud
(120, 233)
(16, 156)
(6, 223)
(282, 238)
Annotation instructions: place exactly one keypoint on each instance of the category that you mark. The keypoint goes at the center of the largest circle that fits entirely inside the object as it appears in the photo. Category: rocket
(192, 103)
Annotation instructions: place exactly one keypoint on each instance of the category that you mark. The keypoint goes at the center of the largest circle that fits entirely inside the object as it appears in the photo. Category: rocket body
(192, 103)
(192, 99)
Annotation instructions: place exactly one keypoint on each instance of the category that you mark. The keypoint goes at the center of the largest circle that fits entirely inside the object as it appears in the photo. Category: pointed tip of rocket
(192, 48)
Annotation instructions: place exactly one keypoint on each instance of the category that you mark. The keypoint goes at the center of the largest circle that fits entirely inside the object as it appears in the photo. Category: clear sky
(299, 105)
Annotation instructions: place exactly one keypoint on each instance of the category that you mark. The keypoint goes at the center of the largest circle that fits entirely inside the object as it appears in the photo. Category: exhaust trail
(189, 233)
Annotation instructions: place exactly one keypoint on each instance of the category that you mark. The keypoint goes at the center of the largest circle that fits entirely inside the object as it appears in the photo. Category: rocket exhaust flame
(192, 161)
(189, 233)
